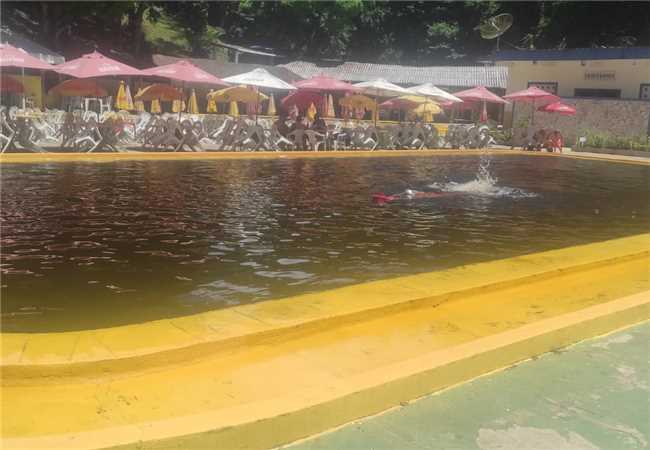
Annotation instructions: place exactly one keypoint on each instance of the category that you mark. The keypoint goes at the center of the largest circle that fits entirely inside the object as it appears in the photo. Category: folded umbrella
(212, 105)
(233, 109)
(121, 102)
(192, 104)
(271, 107)
(155, 106)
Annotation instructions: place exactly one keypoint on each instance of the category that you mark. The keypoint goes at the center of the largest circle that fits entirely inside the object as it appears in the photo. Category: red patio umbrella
(323, 83)
(9, 84)
(479, 94)
(11, 56)
(558, 108)
(94, 65)
(533, 95)
(79, 88)
(302, 99)
(399, 103)
(482, 96)
(186, 72)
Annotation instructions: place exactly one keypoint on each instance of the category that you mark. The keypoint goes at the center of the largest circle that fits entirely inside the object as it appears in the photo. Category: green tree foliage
(408, 32)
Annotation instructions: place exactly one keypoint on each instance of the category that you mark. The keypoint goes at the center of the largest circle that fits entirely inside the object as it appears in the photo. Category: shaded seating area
(317, 114)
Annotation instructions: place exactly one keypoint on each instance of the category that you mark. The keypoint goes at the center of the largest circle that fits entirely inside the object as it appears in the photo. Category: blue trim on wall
(574, 54)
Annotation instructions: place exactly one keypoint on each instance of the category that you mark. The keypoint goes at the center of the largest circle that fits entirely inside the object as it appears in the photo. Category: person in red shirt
(409, 194)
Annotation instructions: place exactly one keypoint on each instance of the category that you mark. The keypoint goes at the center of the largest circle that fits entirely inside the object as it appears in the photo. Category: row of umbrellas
(426, 96)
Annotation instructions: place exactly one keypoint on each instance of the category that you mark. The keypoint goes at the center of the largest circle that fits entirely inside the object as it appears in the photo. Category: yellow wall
(629, 75)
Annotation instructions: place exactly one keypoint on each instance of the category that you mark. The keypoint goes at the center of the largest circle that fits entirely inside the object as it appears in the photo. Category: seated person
(299, 124)
(281, 125)
(319, 124)
(555, 141)
(539, 140)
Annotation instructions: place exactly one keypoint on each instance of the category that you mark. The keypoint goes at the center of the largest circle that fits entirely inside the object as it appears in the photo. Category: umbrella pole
(257, 105)
(180, 107)
(375, 113)
(23, 77)
(532, 115)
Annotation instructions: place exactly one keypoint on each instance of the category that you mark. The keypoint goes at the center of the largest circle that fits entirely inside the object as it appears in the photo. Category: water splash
(485, 184)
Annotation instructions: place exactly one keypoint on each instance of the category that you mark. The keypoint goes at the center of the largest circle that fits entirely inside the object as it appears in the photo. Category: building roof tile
(228, 69)
(446, 76)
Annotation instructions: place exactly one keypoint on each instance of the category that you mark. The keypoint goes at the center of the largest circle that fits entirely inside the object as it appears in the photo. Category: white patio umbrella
(260, 78)
(381, 88)
(429, 90)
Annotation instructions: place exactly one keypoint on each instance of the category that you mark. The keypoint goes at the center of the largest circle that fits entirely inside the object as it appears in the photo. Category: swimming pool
(89, 245)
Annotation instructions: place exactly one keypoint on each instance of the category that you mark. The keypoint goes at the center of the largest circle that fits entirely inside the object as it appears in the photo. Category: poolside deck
(591, 395)
(134, 155)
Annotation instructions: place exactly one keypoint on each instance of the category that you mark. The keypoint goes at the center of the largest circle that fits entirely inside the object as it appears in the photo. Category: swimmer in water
(408, 194)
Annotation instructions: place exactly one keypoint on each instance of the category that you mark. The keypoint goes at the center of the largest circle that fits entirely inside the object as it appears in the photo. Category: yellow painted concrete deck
(311, 362)
(50, 157)
(169, 341)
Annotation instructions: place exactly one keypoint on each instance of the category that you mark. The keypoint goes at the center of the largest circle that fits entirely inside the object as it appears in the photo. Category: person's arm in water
(409, 194)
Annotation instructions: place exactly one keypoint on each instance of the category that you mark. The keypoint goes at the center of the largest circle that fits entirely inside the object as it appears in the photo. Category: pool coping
(52, 157)
(170, 341)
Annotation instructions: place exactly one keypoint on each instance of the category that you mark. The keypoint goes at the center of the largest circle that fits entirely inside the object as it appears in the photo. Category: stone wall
(625, 118)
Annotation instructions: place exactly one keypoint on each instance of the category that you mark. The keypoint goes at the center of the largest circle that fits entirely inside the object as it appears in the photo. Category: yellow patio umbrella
(159, 91)
(358, 101)
(129, 99)
(178, 106)
(270, 111)
(192, 105)
(427, 111)
(212, 105)
(233, 110)
(155, 106)
(121, 102)
(139, 106)
(415, 99)
(242, 94)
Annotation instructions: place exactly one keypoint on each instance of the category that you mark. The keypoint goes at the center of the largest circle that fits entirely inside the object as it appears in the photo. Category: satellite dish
(495, 26)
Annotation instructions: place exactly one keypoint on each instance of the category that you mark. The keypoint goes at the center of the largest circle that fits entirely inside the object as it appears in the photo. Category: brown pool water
(87, 245)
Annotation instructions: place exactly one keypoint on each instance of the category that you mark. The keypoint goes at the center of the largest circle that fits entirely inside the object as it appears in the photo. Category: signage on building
(607, 75)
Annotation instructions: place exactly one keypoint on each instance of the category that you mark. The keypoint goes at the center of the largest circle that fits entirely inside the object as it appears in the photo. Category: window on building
(548, 86)
(644, 91)
(597, 93)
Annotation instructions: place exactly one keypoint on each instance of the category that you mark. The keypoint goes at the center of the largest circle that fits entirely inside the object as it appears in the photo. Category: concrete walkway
(594, 395)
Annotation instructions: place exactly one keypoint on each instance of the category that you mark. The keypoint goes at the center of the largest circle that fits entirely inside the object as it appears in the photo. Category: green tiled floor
(595, 395)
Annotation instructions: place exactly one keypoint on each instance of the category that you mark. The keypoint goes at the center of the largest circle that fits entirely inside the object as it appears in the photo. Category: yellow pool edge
(53, 157)
(360, 396)
(170, 341)
(416, 378)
